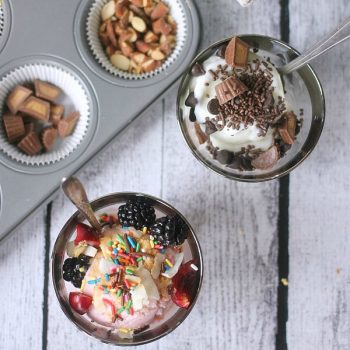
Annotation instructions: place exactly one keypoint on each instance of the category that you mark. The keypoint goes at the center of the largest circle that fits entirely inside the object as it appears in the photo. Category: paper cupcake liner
(177, 11)
(2, 20)
(75, 97)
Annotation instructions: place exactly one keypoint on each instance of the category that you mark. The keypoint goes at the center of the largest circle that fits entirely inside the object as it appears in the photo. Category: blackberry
(137, 213)
(169, 231)
(71, 269)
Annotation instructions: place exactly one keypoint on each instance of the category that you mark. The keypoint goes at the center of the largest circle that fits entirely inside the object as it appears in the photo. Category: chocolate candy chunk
(191, 101)
(210, 128)
(236, 54)
(66, 126)
(48, 137)
(221, 51)
(229, 89)
(18, 95)
(246, 164)
(213, 106)
(236, 164)
(288, 127)
(192, 117)
(14, 127)
(202, 137)
(224, 157)
(197, 70)
(56, 113)
(266, 159)
(46, 91)
(30, 144)
(36, 108)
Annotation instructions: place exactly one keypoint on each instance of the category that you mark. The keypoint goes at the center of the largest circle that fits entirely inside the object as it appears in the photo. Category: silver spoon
(75, 191)
(337, 36)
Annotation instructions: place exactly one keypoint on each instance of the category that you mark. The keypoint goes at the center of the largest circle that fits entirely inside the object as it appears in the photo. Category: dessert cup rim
(95, 205)
(242, 177)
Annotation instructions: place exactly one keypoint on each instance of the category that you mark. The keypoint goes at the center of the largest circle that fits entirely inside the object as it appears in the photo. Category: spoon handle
(341, 33)
(75, 191)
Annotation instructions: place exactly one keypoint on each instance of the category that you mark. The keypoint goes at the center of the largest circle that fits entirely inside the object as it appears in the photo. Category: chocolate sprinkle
(191, 101)
(197, 70)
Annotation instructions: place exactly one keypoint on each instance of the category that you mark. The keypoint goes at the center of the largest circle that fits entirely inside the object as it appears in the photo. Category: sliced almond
(157, 55)
(138, 58)
(150, 37)
(149, 65)
(108, 10)
(126, 48)
(160, 11)
(166, 48)
(120, 61)
(148, 4)
(139, 24)
(148, 9)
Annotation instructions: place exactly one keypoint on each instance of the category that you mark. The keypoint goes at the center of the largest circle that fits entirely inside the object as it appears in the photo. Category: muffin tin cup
(2, 21)
(74, 98)
(92, 28)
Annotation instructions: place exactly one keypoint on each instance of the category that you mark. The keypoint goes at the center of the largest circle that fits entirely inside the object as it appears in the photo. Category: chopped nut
(120, 61)
(160, 11)
(142, 46)
(108, 10)
(160, 26)
(157, 55)
(138, 24)
(150, 37)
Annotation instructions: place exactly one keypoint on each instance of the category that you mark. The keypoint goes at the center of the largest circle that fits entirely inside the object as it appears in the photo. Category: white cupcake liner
(2, 20)
(74, 98)
(177, 11)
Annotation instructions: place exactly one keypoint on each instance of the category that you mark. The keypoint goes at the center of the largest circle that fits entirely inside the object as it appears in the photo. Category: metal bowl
(171, 320)
(303, 90)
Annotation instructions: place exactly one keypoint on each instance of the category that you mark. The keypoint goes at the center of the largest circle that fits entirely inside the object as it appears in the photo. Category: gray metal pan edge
(51, 31)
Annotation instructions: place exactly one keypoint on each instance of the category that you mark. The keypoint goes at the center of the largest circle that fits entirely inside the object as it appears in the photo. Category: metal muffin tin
(41, 31)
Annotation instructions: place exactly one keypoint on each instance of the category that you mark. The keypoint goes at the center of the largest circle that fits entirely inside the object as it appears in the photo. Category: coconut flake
(139, 297)
(173, 271)
(90, 251)
(148, 283)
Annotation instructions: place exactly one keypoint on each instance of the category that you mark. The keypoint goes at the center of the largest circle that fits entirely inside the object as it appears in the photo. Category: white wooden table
(243, 304)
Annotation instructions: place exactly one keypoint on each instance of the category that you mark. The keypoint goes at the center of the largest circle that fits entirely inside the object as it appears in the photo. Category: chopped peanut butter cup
(236, 54)
(36, 108)
(229, 89)
(288, 127)
(17, 96)
(46, 91)
(67, 125)
(14, 127)
(30, 144)
(49, 137)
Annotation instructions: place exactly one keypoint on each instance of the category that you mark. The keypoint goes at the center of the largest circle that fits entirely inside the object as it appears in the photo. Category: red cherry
(88, 234)
(185, 284)
(80, 302)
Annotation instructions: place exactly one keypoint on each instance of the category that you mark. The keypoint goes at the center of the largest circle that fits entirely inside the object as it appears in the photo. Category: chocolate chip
(191, 101)
(236, 164)
(221, 51)
(213, 106)
(197, 70)
(192, 115)
(246, 164)
(210, 127)
(224, 157)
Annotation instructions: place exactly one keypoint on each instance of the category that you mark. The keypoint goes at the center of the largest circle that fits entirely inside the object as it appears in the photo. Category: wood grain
(21, 292)
(319, 290)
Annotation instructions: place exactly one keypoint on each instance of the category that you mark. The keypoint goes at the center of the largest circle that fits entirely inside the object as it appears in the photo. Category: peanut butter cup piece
(267, 159)
(56, 113)
(30, 144)
(66, 126)
(36, 108)
(229, 89)
(46, 91)
(236, 54)
(288, 127)
(17, 96)
(14, 127)
(48, 137)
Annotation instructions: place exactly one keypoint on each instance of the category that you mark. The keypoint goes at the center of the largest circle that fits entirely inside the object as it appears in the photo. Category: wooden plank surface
(319, 278)
(152, 157)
